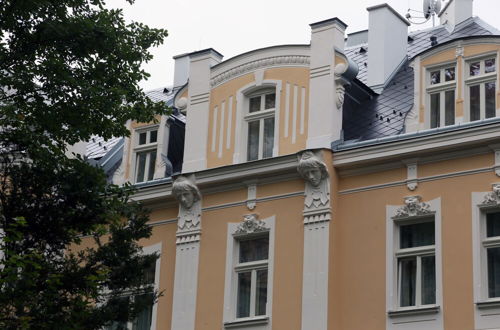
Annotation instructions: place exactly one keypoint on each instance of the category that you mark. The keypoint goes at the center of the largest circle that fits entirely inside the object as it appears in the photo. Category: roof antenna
(430, 9)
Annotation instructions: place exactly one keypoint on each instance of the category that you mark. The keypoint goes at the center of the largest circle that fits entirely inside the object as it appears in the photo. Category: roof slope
(383, 115)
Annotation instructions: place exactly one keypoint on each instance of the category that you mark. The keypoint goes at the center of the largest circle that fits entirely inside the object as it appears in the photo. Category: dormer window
(481, 88)
(145, 154)
(260, 121)
(441, 96)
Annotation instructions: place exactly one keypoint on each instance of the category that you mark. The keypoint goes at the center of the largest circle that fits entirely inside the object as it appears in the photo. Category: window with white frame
(145, 319)
(252, 276)
(481, 86)
(441, 95)
(416, 263)
(259, 119)
(146, 142)
(490, 241)
(249, 274)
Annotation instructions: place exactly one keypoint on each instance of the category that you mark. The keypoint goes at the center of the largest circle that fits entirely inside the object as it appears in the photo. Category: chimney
(181, 69)
(195, 152)
(387, 44)
(325, 122)
(455, 12)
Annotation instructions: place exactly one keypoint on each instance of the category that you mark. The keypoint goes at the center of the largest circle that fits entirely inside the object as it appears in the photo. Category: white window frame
(260, 116)
(242, 109)
(148, 147)
(487, 310)
(233, 267)
(156, 248)
(428, 317)
(441, 88)
(480, 80)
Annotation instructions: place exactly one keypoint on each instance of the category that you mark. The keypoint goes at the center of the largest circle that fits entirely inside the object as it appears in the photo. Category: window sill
(488, 304)
(248, 321)
(433, 309)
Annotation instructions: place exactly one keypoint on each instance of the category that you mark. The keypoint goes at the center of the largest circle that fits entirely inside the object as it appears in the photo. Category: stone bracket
(251, 194)
(411, 174)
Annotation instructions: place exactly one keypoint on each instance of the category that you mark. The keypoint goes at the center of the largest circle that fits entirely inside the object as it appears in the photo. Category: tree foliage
(69, 69)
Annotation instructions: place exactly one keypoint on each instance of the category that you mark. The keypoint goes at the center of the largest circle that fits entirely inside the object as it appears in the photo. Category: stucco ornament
(189, 198)
(493, 198)
(340, 84)
(314, 172)
(413, 207)
(251, 224)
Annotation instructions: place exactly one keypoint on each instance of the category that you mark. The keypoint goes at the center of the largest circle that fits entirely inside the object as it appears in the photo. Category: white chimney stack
(455, 12)
(387, 44)
(181, 69)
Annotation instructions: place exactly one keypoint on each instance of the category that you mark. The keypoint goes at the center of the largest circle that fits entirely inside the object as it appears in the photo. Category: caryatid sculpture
(189, 198)
(314, 171)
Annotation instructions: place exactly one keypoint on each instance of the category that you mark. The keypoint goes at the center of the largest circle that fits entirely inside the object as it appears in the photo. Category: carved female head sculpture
(185, 192)
(311, 168)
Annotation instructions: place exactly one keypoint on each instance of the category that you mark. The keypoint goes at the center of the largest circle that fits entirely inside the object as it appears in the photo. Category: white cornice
(418, 146)
(229, 177)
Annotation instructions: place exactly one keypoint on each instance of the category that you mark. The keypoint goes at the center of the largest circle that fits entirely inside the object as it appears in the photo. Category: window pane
(408, 276)
(149, 274)
(435, 110)
(474, 103)
(489, 65)
(153, 136)
(493, 224)
(261, 292)
(428, 280)
(435, 77)
(449, 104)
(490, 88)
(419, 234)
(141, 166)
(152, 161)
(142, 138)
(268, 137)
(143, 319)
(253, 140)
(254, 249)
(494, 272)
(270, 101)
(255, 103)
(475, 69)
(449, 74)
(243, 303)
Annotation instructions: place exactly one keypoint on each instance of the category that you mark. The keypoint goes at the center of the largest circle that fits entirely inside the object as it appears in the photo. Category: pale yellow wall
(449, 56)
(294, 76)
(287, 281)
(359, 233)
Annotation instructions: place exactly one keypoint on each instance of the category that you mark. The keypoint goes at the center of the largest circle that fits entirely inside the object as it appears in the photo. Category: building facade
(350, 183)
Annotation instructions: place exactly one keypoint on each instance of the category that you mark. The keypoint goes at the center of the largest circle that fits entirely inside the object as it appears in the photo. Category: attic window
(362, 50)
(410, 39)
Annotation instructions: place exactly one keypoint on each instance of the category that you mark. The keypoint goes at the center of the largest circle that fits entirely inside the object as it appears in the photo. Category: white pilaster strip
(214, 128)
(302, 109)
(287, 108)
(185, 286)
(294, 118)
(221, 128)
(229, 122)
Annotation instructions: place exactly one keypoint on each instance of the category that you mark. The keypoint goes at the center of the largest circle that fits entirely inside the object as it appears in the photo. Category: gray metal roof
(97, 147)
(383, 115)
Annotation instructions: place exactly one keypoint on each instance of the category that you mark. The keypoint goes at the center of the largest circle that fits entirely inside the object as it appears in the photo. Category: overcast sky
(233, 26)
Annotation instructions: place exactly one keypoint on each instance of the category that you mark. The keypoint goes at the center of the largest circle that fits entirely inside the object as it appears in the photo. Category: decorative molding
(413, 207)
(497, 162)
(251, 225)
(252, 195)
(459, 51)
(189, 198)
(315, 173)
(412, 179)
(340, 83)
(296, 60)
(492, 198)
(119, 174)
